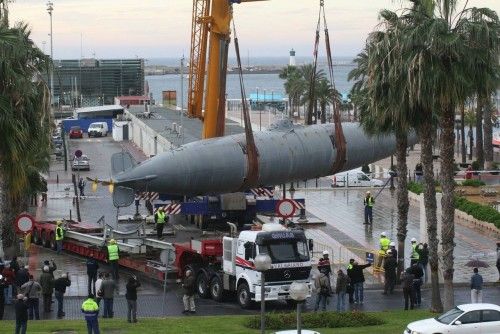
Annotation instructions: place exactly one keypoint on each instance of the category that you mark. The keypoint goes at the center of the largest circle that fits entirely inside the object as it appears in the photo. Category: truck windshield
(286, 251)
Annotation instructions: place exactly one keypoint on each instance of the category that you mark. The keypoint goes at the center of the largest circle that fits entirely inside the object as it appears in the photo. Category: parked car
(75, 132)
(98, 129)
(355, 178)
(467, 318)
(81, 163)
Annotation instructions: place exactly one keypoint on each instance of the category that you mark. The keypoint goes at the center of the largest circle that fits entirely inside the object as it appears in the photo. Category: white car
(354, 178)
(463, 319)
(81, 164)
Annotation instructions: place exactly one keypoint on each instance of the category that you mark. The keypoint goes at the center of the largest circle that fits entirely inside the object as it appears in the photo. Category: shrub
(415, 187)
(478, 211)
(277, 321)
(475, 165)
(473, 183)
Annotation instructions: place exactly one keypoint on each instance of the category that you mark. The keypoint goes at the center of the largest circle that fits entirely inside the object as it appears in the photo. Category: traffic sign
(78, 153)
(25, 223)
(285, 208)
(370, 257)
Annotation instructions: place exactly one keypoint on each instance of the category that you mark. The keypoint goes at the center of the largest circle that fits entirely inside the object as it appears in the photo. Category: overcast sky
(162, 28)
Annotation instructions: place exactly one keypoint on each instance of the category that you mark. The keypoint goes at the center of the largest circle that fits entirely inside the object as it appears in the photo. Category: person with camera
(60, 286)
(131, 296)
(323, 289)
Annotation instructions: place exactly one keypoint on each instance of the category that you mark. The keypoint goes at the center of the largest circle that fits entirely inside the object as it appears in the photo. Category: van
(355, 178)
(98, 129)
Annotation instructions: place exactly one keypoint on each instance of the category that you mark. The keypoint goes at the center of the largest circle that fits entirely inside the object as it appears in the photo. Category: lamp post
(262, 264)
(50, 9)
(299, 292)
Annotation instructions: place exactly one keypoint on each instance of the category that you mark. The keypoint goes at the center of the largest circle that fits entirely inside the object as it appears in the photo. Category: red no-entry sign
(24, 223)
(285, 208)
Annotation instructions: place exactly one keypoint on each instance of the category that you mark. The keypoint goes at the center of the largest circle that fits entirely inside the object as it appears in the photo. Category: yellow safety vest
(369, 201)
(113, 252)
(349, 267)
(59, 233)
(384, 244)
(90, 305)
(414, 253)
(161, 217)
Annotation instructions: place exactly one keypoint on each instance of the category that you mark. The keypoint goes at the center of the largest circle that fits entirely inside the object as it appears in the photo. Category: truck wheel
(217, 289)
(52, 241)
(243, 295)
(202, 286)
(36, 237)
(45, 239)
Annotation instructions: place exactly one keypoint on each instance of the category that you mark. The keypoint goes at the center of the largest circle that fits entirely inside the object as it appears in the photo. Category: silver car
(81, 163)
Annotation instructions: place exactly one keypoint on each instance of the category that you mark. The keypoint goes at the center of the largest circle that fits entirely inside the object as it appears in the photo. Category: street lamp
(299, 292)
(262, 264)
(50, 9)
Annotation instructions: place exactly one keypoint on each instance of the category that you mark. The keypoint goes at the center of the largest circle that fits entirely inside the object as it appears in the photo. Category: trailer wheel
(36, 237)
(52, 241)
(217, 289)
(44, 237)
(243, 295)
(202, 285)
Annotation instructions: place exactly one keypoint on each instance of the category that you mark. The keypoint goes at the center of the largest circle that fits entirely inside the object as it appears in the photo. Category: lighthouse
(292, 58)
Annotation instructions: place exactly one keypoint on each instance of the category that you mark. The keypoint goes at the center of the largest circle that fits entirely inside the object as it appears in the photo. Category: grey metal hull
(285, 153)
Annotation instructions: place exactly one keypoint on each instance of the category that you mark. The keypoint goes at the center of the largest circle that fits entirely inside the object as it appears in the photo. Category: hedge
(478, 211)
(415, 187)
(278, 321)
(473, 183)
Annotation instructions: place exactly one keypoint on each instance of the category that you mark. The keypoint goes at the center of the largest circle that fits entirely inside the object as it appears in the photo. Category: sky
(162, 28)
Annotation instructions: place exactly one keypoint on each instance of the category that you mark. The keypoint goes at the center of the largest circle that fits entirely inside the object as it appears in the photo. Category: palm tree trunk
(402, 196)
(479, 132)
(448, 208)
(488, 135)
(323, 112)
(462, 133)
(7, 216)
(471, 141)
(430, 214)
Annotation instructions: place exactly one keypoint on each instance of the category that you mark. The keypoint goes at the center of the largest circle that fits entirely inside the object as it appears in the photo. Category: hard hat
(392, 243)
(45, 269)
(389, 251)
(383, 234)
(112, 241)
(59, 222)
(368, 192)
(413, 240)
(325, 252)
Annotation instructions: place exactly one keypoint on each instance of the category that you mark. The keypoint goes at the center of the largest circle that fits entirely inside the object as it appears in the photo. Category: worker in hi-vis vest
(160, 219)
(59, 236)
(382, 252)
(113, 257)
(368, 202)
(415, 256)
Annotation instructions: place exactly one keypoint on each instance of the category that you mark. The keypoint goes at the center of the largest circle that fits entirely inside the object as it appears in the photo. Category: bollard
(57, 178)
(70, 215)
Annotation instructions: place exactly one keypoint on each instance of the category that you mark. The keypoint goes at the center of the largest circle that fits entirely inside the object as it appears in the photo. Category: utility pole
(182, 98)
(50, 9)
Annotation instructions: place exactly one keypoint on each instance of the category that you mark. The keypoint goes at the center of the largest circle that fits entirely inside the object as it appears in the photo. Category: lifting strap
(251, 150)
(339, 142)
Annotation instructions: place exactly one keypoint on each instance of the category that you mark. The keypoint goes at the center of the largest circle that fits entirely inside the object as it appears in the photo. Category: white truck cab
(355, 178)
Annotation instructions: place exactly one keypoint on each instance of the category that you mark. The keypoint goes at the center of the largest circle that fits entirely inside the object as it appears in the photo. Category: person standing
(424, 259)
(324, 262)
(92, 267)
(498, 260)
(408, 291)
(418, 274)
(394, 251)
(350, 287)
(51, 265)
(368, 203)
(476, 287)
(32, 290)
(342, 283)
(98, 288)
(81, 186)
(415, 256)
(21, 308)
(59, 237)
(3, 285)
(91, 311)
(60, 286)
(358, 279)
(160, 219)
(108, 290)
(131, 296)
(22, 277)
(390, 266)
(9, 277)
(418, 172)
(384, 247)
(113, 257)
(189, 285)
(47, 284)
(323, 289)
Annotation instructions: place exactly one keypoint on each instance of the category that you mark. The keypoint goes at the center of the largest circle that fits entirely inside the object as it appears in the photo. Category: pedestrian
(113, 257)
(3, 285)
(131, 296)
(59, 236)
(9, 277)
(418, 273)
(384, 247)
(476, 287)
(22, 277)
(394, 251)
(390, 266)
(14, 267)
(108, 293)
(358, 279)
(81, 186)
(424, 259)
(368, 203)
(323, 289)
(418, 172)
(21, 308)
(32, 290)
(498, 260)
(341, 288)
(189, 289)
(47, 284)
(324, 262)
(160, 219)
(137, 202)
(92, 267)
(408, 291)
(52, 266)
(350, 287)
(415, 256)
(60, 286)
(468, 172)
(98, 288)
(91, 311)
